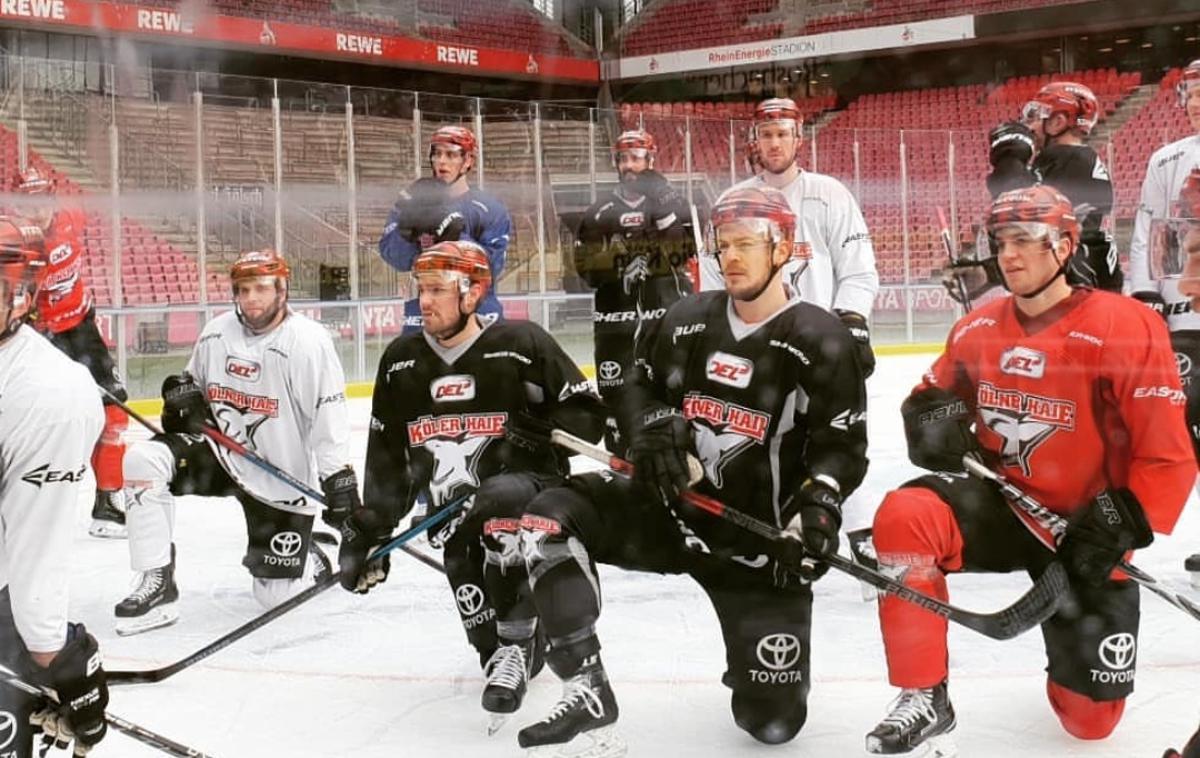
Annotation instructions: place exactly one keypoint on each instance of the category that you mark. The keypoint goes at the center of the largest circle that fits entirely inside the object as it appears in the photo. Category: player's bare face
(777, 146)
(449, 162)
(260, 301)
(439, 297)
(745, 255)
(630, 164)
(1027, 262)
(1192, 106)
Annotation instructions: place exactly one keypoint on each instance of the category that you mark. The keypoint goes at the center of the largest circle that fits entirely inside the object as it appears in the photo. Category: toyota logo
(1117, 651)
(778, 651)
(286, 544)
(1183, 363)
(8, 729)
(469, 599)
(610, 370)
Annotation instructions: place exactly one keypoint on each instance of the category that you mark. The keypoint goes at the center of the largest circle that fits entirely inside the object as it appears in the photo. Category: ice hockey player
(50, 419)
(1072, 394)
(767, 392)
(270, 379)
(461, 409)
(64, 313)
(445, 207)
(1166, 175)
(633, 246)
(1053, 127)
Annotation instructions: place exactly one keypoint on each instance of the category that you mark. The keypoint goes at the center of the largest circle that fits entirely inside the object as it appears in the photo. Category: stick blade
(1031, 609)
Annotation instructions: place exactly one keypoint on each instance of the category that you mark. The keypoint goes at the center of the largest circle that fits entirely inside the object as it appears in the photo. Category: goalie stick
(233, 445)
(158, 674)
(1057, 525)
(1038, 604)
(139, 733)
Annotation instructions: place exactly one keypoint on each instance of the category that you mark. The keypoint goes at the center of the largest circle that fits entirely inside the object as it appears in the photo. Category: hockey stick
(947, 242)
(1038, 604)
(139, 733)
(233, 445)
(158, 674)
(1057, 525)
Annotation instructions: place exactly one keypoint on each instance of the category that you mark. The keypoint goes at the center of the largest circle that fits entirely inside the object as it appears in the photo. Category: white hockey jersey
(841, 274)
(281, 394)
(1168, 169)
(50, 419)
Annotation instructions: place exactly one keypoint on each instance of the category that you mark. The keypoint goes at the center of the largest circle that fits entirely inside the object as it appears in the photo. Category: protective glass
(1175, 249)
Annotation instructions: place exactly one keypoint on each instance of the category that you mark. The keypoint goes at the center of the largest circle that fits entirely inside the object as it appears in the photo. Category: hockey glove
(1153, 301)
(450, 228)
(857, 325)
(1010, 141)
(815, 525)
(528, 433)
(937, 425)
(655, 188)
(185, 409)
(658, 447)
(636, 272)
(341, 496)
(77, 675)
(362, 532)
(421, 207)
(1101, 533)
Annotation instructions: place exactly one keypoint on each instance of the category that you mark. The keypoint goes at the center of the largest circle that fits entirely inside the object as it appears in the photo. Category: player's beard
(266, 320)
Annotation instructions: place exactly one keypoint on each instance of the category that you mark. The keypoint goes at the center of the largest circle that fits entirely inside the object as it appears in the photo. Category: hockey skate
(108, 515)
(152, 604)
(1192, 566)
(918, 726)
(582, 723)
(507, 673)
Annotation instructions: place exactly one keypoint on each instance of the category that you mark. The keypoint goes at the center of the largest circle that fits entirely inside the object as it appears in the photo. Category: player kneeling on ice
(1072, 395)
(768, 392)
(270, 379)
(50, 420)
(461, 410)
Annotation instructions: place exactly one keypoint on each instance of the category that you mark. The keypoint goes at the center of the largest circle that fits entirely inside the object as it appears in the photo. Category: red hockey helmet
(1075, 101)
(782, 110)
(258, 263)
(462, 261)
(456, 136)
(32, 181)
(1189, 79)
(637, 141)
(1041, 211)
(766, 207)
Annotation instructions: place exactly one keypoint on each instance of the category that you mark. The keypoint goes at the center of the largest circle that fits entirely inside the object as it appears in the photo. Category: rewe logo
(163, 21)
(358, 43)
(1021, 361)
(453, 388)
(729, 369)
(463, 56)
(54, 9)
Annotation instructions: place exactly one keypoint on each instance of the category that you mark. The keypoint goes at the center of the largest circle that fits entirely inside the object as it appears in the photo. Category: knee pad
(768, 721)
(148, 463)
(1082, 717)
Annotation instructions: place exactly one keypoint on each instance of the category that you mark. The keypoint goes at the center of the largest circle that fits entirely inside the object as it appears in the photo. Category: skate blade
(496, 722)
(107, 530)
(155, 618)
(604, 742)
(937, 746)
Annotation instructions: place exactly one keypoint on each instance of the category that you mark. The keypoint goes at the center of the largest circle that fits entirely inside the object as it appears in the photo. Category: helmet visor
(436, 282)
(1033, 111)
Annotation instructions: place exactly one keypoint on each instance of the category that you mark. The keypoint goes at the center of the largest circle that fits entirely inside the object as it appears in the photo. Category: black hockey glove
(856, 323)
(450, 228)
(185, 409)
(658, 447)
(529, 433)
(1153, 301)
(421, 207)
(937, 425)
(362, 532)
(655, 188)
(341, 496)
(815, 525)
(77, 675)
(1010, 141)
(1101, 533)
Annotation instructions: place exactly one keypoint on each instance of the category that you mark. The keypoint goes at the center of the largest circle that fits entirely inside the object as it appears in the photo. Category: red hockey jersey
(63, 300)
(1082, 398)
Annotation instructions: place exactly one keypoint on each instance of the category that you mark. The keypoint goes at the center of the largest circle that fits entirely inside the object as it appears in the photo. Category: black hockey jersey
(769, 404)
(439, 416)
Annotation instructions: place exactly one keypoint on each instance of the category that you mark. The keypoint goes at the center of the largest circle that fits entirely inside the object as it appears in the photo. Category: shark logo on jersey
(722, 431)
(506, 533)
(234, 422)
(454, 466)
(717, 449)
(1023, 421)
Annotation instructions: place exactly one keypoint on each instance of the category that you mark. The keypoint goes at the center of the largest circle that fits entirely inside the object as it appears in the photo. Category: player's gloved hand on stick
(362, 532)
(1010, 141)
(341, 496)
(77, 675)
(1100, 534)
(636, 272)
(937, 425)
(658, 448)
(529, 433)
(815, 525)
(1151, 300)
(185, 409)
(856, 324)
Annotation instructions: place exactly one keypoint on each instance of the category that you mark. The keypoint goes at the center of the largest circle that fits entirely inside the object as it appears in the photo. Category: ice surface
(390, 674)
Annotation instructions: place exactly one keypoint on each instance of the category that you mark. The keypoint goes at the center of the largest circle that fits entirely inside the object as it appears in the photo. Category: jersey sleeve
(492, 232)
(837, 410)
(853, 255)
(47, 459)
(593, 259)
(398, 251)
(320, 385)
(568, 399)
(1140, 367)
(386, 483)
(1151, 205)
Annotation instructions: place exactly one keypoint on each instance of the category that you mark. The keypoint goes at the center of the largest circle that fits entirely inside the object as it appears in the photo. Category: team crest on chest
(722, 431)
(456, 442)
(1023, 421)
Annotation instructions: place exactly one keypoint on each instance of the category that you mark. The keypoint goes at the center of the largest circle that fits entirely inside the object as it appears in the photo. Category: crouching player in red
(1073, 395)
